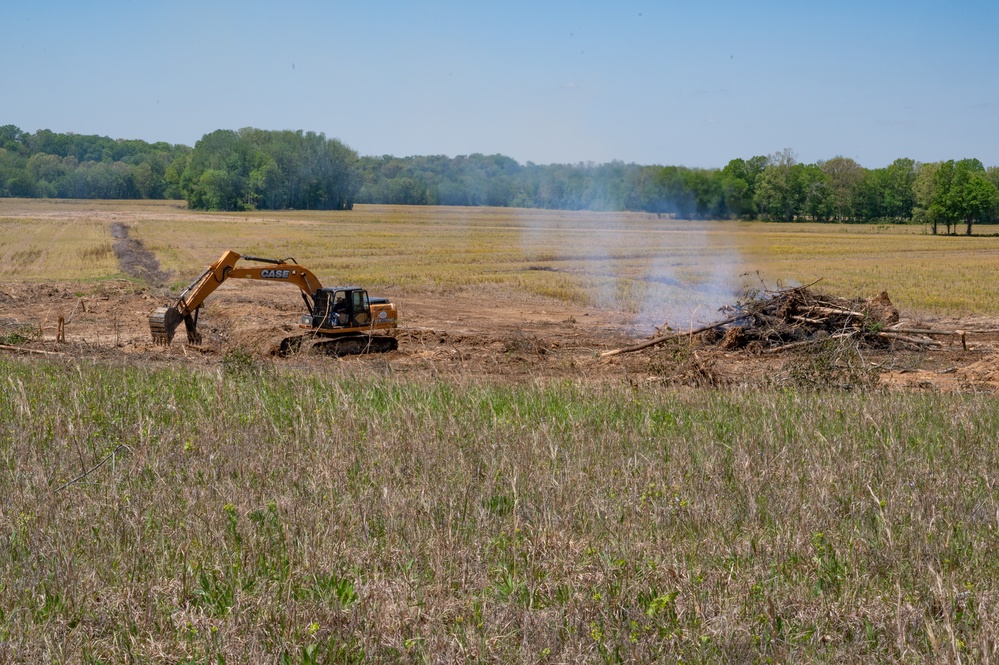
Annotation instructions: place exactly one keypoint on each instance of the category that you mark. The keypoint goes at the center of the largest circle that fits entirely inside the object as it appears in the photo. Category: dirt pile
(985, 370)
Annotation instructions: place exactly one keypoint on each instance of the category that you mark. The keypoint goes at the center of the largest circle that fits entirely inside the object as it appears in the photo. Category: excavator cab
(340, 307)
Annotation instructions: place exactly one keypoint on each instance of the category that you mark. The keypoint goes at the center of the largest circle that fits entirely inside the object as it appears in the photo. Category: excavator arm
(164, 321)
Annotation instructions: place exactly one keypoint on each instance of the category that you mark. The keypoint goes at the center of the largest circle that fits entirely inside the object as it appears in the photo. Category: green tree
(924, 191)
(971, 196)
(780, 188)
(216, 189)
(816, 185)
(13, 139)
(845, 177)
(748, 172)
(897, 191)
(46, 167)
(20, 185)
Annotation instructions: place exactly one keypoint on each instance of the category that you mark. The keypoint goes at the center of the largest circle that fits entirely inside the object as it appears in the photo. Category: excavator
(341, 320)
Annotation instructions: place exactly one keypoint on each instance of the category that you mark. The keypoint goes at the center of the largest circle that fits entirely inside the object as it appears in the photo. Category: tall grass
(253, 515)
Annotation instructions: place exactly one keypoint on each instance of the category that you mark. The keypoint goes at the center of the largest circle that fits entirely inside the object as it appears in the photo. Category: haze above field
(654, 83)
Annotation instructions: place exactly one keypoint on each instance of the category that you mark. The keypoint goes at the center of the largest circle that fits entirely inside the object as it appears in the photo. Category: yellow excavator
(341, 320)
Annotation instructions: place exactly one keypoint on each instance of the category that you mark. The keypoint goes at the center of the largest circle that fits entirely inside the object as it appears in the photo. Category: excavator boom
(164, 321)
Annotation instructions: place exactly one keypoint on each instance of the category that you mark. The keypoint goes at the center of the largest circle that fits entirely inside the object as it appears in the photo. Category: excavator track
(347, 345)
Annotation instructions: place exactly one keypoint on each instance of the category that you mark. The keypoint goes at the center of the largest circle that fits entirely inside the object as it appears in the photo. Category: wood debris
(790, 319)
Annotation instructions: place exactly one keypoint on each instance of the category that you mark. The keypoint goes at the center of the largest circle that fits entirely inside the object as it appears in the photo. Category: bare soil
(488, 334)
(134, 258)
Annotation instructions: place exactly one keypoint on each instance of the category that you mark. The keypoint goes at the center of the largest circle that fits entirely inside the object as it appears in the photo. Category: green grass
(251, 514)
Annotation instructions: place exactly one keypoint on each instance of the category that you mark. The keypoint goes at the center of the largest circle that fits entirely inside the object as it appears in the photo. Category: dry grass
(254, 516)
(656, 269)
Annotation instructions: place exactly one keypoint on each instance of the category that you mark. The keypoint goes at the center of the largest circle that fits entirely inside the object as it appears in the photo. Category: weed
(329, 590)
(96, 252)
(19, 335)
(834, 363)
(238, 361)
(330, 518)
(680, 363)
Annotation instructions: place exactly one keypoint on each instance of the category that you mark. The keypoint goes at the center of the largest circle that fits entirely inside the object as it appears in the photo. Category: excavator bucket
(163, 323)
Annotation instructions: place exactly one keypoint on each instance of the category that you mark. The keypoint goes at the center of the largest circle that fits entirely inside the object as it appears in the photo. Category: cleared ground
(511, 294)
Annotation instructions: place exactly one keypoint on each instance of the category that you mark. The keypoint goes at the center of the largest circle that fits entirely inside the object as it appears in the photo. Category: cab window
(360, 301)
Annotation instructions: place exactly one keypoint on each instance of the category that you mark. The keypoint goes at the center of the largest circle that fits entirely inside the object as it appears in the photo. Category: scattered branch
(20, 349)
(665, 338)
(93, 468)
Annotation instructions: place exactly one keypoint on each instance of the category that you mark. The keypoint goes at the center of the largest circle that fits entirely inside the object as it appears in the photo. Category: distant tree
(818, 201)
(780, 188)
(955, 193)
(217, 189)
(971, 196)
(747, 171)
(50, 168)
(992, 173)
(254, 168)
(845, 176)
(20, 185)
(736, 199)
(13, 139)
(675, 191)
(146, 182)
(924, 189)
(897, 191)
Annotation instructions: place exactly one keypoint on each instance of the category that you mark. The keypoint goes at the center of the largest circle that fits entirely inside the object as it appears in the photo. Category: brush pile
(792, 318)
(776, 321)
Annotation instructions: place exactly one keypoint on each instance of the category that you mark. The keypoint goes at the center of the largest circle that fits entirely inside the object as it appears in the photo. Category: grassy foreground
(256, 516)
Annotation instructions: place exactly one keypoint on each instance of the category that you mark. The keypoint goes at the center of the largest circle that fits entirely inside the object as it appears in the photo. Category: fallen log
(927, 331)
(805, 319)
(909, 340)
(962, 334)
(671, 336)
(834, 311)
(8, 347)
(806, 342)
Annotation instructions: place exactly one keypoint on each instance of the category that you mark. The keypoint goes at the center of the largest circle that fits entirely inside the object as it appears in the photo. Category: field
(628, 261)
(493, 490)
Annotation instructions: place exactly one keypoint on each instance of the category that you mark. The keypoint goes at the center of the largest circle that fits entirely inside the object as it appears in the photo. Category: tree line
(50, 165)
(252, 169)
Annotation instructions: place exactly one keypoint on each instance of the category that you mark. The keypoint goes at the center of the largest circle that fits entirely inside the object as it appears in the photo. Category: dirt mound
(985, 370)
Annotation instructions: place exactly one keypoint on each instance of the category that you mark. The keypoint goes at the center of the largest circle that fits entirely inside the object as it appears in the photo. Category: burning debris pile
(777, 321)
(792, 318)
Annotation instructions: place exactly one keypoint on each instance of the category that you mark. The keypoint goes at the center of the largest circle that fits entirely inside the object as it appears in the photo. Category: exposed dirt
(134, 258)
(483, 333)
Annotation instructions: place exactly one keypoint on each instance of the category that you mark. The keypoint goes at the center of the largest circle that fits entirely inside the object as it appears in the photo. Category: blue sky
(687, 83)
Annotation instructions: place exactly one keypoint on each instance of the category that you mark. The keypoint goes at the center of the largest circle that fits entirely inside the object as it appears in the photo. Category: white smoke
(695, 271)
(657, 271)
